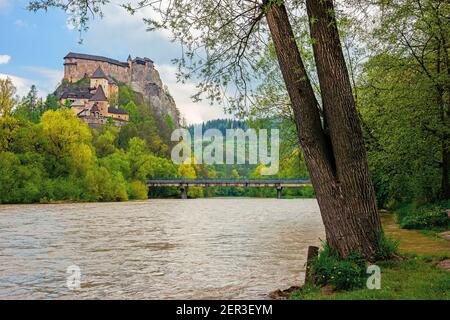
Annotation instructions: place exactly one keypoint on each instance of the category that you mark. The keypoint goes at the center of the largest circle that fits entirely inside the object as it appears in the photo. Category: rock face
(146, 80)
(139, 73)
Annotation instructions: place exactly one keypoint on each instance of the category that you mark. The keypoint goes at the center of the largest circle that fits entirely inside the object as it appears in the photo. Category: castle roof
(99, 95)
(94, 108)
(76, 93)
(140, 60)
(77, 103)
(82, 113)
(111, 80)
(116, 110)
(99, 74)
(95, 58)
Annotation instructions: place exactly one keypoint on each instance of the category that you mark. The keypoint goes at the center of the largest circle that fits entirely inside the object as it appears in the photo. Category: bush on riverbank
(61, 159)
(387, 248)
(328, 269)
(341, 274)
(429, 216)
(415, 278)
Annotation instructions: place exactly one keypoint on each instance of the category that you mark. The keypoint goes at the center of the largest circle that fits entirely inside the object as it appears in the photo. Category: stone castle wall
(75, 69)
(142, 78)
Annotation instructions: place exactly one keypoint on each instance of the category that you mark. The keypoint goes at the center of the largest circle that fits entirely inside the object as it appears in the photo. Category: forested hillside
(48, 154)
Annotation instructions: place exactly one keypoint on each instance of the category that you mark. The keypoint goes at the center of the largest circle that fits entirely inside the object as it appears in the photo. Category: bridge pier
(279, 190)
(184, 190)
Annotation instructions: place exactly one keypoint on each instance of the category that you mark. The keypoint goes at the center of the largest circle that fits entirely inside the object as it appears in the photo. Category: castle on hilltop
(92, 103)
(78, 65)
(91, 87)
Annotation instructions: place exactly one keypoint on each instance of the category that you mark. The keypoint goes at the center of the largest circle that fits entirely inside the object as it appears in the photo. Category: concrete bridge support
(184, 191)
(279, 190)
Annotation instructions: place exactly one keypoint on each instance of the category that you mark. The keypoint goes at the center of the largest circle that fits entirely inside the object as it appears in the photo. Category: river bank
(61, 202)
(46, 202)
(421, 274)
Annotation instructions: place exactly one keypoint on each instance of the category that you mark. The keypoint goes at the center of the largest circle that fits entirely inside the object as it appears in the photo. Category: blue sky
(32, 47)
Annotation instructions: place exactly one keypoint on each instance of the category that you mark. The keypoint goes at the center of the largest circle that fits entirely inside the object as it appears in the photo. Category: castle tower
(100, 99)
(99, 79)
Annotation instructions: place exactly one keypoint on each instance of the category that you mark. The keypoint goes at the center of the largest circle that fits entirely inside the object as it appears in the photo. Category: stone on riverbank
(445, 264)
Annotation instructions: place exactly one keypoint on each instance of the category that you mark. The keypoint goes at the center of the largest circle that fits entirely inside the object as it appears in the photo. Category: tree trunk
(445, 187)
(337, 164)
(444, 108)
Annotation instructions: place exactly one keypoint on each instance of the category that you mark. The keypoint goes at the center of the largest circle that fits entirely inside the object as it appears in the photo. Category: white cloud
(119, 33)
(4, 58)
(45, 80)
(51, 75)
(22, 85)
(193, 112)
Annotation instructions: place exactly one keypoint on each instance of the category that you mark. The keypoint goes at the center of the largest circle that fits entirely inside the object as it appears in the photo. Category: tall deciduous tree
(420, 29)
(7, 96)
(222, 41)
(334, 152)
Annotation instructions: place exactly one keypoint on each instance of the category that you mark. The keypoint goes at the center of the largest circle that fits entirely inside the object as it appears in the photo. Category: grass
(416, 278)
(288, 197)
(433, 234)
(432, 216)
(414, 241)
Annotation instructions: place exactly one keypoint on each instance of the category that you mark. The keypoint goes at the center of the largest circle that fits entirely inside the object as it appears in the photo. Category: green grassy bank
(416, 277)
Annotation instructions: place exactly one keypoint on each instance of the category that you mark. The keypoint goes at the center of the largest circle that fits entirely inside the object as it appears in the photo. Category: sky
(32, 47)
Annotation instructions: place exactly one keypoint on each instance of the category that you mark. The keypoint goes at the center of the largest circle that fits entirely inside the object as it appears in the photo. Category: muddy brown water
(157, 249)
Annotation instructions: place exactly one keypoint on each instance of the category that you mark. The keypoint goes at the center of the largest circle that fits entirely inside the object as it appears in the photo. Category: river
(231, 248)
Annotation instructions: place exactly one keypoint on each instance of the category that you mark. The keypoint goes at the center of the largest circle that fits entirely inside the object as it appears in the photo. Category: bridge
(184, 184)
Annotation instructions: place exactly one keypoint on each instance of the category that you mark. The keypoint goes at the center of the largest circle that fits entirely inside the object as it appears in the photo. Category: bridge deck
(260, 183)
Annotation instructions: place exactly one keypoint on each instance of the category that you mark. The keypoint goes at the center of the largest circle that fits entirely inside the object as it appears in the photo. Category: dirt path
(412, 241)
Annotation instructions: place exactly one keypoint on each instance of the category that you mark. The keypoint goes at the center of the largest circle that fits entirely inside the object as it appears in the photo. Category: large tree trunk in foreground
(336, 162)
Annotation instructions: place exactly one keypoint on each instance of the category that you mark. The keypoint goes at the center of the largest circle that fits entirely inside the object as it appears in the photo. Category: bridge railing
(184, 183)
(218, 180)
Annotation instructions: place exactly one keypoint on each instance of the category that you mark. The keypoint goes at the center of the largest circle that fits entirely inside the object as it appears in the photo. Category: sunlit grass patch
(416, 278)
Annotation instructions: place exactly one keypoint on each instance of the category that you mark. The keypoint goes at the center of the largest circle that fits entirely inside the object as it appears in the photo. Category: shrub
(387, 248)
(169, 121)
(308, 192)
(341, 274)
(137, 190)
(101, 185)
(424, 217)
(63, 188)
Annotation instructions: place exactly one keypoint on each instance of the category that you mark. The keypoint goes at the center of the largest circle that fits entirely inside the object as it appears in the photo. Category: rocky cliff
(147, 81)
(138, 73)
